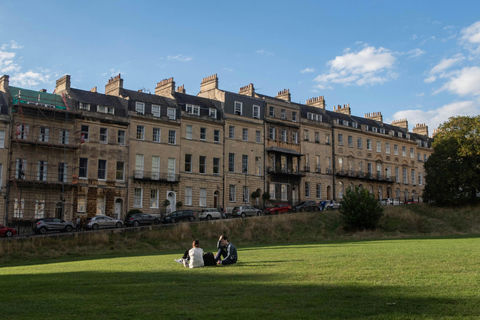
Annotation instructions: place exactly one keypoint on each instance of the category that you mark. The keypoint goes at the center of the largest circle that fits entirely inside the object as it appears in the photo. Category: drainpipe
(333, 163)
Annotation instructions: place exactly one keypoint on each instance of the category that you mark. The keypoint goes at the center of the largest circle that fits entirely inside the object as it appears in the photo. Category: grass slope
(380, 279)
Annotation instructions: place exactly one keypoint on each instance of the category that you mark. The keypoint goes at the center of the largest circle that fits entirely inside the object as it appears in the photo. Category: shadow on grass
(212, 292)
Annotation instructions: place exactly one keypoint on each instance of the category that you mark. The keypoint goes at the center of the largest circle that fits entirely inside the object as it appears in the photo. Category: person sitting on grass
(193, 257)
(225, 250)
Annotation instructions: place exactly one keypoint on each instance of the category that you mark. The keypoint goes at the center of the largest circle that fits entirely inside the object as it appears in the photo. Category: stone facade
(129, 150)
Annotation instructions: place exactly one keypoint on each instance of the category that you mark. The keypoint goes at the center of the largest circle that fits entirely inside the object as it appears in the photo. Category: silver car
(208, 214)
(244, 211)
(101, 222)
(45, 225)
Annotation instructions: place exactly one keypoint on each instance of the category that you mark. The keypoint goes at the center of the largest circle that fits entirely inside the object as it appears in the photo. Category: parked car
(332, 205)
(209, 214)
(279, 208)
(180, 215)
(101, 222)
(6, 231)
(141, 218)
(390, 201)
(45, 225)
(306, 206)
(244, 211)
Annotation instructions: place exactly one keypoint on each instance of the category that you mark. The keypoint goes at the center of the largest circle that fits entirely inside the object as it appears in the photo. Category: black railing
(155, 176)
(366, 176)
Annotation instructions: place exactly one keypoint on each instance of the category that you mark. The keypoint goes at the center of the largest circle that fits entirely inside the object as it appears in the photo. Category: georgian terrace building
(84, 153)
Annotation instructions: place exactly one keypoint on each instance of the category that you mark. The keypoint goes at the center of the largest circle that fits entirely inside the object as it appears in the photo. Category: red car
(279, 208)
(6, 231)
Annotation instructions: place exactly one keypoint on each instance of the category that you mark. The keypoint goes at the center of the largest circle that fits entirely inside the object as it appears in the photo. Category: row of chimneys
(166, 88)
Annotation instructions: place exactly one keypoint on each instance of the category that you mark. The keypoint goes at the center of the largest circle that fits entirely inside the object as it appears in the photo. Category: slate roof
(204, 103)
(148, 98)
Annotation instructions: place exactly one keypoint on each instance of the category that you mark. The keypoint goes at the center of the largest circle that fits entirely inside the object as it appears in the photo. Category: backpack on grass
(209, 259)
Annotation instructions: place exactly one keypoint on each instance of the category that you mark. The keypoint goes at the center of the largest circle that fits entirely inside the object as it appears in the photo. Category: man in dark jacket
(227, 251)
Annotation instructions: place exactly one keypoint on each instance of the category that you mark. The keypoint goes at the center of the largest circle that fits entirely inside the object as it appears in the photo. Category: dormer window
(104, 109)
(256, 112)
(238, 108)
(171, 114)
(193, 109)
(213, 113)
(382, 130)
(156, 111)
(345, 123)
(140, 107)
(84, 106)
(407, 136)
(354, 124)
(374, 129)
(392, 133)
(399, 134)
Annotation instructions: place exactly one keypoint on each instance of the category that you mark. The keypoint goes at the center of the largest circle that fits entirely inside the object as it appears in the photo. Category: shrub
(360, 210)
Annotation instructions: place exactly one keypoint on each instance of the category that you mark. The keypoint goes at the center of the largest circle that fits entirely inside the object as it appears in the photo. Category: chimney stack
(209, 83)
(284, 95)
(318, 102)
(43, 90)
(248, 90)
(63, 85)
(401, 123)
(377, 116)
(94, 89)
(345, 110)
(421, 129)
(4, 83)
(114, 86)
(181, 89)
(165, 88)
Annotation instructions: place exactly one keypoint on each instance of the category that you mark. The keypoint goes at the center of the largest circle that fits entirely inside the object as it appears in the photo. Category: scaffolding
(43, 153)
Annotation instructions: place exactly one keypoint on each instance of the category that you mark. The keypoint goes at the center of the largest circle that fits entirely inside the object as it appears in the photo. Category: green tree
(359, 209)
(453, 169)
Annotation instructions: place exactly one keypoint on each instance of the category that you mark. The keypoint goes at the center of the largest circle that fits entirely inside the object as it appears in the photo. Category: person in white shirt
(193, 258)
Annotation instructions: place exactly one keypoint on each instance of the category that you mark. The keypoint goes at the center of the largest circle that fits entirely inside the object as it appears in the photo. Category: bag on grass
(209, 259)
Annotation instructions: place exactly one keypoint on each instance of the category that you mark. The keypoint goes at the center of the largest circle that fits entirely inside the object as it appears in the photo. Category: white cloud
(433, 118)
(463, 82)
(471, 37)
(446, 63)
(227, 69)
(7, 62)
(263, 51)
(180, 57)
(29, 79)
(307, 70)
(422, 94)
(415, 53)
(430, 79)
(369, 66)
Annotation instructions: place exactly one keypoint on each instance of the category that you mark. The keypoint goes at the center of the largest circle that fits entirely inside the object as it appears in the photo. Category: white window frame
(245, 134)
(189, 132)
(156, 110)
(188, 196)
(238, 108)
(172, 137)
(212, 112)
(256, 111)
(122, 171)
(154, 198)
(64, 136)
(232, 196)
(140, 132)
(171, 114)
(42, 170)
(140, 107)
(202, 198)
(98, 170)
(104, 135)
(156, 137)
(138, 198)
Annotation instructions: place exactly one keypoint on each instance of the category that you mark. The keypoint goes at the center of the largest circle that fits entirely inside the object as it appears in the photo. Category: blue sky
(417, 60)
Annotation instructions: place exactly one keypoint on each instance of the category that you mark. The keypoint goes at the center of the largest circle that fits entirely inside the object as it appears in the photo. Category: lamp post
(245, 197)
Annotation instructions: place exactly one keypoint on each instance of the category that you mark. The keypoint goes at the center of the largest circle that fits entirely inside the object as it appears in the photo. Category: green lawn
(390, 279)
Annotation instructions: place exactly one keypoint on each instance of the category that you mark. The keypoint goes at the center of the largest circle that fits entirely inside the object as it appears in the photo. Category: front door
(172, 197)
(118, 209)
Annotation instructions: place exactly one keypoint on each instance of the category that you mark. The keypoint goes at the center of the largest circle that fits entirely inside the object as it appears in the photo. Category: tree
(453, 169)
(265, 197)
(359, 209)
